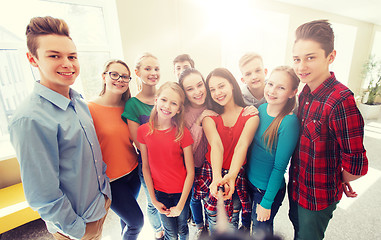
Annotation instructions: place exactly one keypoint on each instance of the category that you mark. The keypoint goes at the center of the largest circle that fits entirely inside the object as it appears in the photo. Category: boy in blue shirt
(52, 131)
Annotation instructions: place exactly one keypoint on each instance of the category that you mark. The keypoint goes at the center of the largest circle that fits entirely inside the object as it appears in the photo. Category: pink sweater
(200, 144)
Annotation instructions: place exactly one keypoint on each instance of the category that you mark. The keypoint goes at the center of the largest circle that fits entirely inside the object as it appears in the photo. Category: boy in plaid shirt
(330, 152)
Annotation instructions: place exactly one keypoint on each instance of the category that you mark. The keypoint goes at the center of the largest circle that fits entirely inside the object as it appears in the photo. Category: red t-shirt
(166, 157)
(229, 137)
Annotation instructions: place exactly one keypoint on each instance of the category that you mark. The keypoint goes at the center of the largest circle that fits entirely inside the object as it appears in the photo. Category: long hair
(237, 94)
(185, 74)
(178, 119)
(39, 26)
(127, 94)
(271, 134)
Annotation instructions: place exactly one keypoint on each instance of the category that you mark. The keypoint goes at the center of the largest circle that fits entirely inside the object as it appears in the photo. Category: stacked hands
(171, 212)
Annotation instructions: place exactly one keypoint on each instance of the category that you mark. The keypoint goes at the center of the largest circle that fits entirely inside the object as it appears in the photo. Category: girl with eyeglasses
(117, 146)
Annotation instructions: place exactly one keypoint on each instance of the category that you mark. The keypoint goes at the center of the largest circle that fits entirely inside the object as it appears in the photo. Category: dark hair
(44, 26)
(127, 94)
(237, 94)
(319, 31)
(185, 74)
(183, 58)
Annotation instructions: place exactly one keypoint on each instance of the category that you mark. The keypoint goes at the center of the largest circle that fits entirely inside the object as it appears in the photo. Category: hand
(174, 211)
(250, 110)
(228, 181)
(348, 190)
(213, 187)
(161, 207)
(263, 214)
(205, 113)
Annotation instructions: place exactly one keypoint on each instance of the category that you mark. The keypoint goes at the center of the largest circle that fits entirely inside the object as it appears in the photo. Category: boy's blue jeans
(152, 213)
(124, 192)
(257, 194)
(175, 227)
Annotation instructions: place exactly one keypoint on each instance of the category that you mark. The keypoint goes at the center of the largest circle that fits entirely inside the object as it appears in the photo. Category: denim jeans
(124, 192)
(257, 194)
(196, 207)
(234, 221)
(308, 224)
(174, 227)
(152, 213)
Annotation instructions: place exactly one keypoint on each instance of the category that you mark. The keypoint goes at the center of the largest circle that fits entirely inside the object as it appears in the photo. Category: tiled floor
(358, 218)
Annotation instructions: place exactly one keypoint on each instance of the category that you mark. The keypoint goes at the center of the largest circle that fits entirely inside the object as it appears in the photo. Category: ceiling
(363, 10)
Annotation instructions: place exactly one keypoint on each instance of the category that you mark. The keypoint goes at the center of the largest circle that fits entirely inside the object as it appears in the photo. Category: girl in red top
(168, 168)
(116, 144)
(229, 135)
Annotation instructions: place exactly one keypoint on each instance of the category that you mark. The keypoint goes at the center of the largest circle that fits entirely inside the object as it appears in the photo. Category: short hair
(248, 57)
(141, 57)
(39, 26)
(319, 31)
(183, 58)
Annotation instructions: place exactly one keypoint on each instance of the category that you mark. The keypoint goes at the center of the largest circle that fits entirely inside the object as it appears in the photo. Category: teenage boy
(253, 76)
(55, 141)
(330, 152)
(182, 62)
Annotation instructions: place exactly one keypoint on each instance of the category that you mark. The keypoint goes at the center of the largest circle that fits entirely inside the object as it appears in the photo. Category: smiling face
(57, 62)
(149, 71)
(279, 88)
(253, 74)
(116, 86)
(195, 90)
(168, 104)
(311, 64)
(221, 90)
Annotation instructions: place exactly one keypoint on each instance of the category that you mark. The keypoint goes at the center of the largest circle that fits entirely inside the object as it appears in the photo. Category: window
(92, 26)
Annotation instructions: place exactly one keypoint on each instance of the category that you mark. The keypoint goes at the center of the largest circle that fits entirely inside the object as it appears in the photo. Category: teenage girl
(168, 168)
(117, 150)
(229, 136)
(272, 147)
(136, 113)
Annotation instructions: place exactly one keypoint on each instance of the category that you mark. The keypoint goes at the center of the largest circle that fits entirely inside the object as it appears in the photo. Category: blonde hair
(138, 62)
(248, 57)
(178, 119)
(127, 94)
(271, 134)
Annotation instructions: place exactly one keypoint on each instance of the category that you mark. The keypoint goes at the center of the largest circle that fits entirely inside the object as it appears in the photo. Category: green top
(136, 111)
(266, 170)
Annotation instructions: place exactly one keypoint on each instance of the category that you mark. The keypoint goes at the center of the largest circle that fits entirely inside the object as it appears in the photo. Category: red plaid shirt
(201, 191)
(332, 131)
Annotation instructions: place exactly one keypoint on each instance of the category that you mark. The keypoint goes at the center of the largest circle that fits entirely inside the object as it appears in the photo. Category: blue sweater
(266, 170)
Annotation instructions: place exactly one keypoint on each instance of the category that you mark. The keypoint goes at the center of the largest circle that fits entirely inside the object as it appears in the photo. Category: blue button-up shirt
(62, 170)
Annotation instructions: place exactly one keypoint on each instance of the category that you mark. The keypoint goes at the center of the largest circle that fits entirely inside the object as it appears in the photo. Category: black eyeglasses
(115, 76)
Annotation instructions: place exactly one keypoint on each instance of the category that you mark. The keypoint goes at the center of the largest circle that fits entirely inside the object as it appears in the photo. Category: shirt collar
(54, 97)
(322, 89)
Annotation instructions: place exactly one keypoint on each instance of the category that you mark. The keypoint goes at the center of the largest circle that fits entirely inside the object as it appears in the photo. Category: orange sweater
(114, 137)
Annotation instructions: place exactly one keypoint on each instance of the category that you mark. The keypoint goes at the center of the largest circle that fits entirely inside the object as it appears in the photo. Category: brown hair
(248, 57)
(185, 74)
(237, 94)
(319, 31)
(39, 26)
(127, 94)
(183, 58)
(271, 133)
(178, 119)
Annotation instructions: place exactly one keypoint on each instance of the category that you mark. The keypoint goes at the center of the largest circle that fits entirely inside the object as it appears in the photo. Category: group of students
(189, 143)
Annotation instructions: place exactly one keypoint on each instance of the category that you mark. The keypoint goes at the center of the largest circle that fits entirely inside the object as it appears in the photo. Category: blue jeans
(196, 207)
(257, 194)
(309, 224)
(234, 221)
(152, 213)
(174, 226)
(124, 192)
